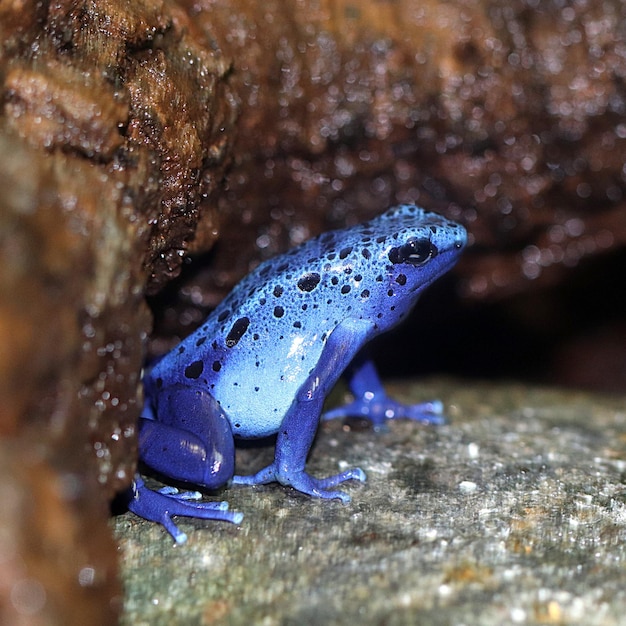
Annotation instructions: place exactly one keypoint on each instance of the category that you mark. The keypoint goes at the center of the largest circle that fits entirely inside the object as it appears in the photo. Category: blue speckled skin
(266, 357)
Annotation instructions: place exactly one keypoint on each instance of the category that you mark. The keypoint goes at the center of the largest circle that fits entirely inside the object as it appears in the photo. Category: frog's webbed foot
(371, 402)
(303, 482)
(378, 408)
(159, 506)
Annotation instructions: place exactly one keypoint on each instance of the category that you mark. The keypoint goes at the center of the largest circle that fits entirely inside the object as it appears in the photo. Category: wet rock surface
(103, 154)
(512, 513)
(54, 370)
(132, 135)
(507, 117)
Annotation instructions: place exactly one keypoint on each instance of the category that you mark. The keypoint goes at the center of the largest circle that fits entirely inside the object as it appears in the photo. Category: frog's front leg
(299, 426)
(189, 440)
(372, 402)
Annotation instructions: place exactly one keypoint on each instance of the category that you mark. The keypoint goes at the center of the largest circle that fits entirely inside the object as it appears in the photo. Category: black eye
(414, 252)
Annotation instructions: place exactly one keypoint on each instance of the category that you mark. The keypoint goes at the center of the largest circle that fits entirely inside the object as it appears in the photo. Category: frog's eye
(414, 252)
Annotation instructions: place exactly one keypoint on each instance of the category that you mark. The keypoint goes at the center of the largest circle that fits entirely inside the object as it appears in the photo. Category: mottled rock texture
(113, 138)
(119, 123)
(506, 115)
(513, 513)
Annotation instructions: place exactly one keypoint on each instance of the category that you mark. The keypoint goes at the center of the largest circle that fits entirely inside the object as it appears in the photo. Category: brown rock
(117, 131)
(113, 118)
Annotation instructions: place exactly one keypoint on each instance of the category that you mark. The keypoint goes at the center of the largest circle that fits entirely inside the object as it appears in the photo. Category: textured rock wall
(113, 138)
(119, 123)
(506, 115)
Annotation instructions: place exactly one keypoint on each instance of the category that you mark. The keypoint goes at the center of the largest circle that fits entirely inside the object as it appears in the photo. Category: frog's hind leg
(191, 440)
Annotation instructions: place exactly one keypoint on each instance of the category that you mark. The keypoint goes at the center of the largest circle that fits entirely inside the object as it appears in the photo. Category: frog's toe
(322, 487)
(356, 473)
(304, 483)
(426, 412)
(160, 506)
(325, 494)
(175, 494)
(266, 475)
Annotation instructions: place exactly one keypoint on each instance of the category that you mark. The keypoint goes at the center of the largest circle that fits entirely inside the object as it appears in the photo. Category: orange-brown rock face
(112, 120)
(508, 117)
(119, 124)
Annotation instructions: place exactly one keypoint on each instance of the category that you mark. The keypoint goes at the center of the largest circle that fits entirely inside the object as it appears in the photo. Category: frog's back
(260, 344)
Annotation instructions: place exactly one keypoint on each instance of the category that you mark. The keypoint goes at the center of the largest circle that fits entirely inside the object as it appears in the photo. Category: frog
(265, 359)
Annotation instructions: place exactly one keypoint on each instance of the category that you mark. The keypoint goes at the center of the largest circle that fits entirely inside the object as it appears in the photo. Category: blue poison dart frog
(265, 359)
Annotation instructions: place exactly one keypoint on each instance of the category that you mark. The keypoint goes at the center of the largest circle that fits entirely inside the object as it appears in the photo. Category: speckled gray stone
(512, 513)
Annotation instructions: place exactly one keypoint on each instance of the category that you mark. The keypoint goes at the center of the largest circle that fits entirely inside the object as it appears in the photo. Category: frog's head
(403, 251)
(375, 270)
